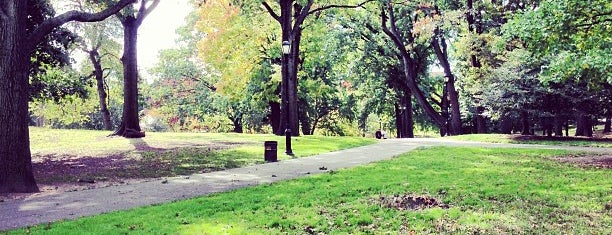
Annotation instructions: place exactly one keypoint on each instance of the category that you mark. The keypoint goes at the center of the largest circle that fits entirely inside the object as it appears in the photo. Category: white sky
(158, 31)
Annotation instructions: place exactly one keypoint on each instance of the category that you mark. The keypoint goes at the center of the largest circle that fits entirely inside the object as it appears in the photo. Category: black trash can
(270, 151)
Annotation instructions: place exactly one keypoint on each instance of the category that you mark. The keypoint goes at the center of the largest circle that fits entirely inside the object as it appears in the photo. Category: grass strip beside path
(487, 191)
(519, 139)
(69, 156)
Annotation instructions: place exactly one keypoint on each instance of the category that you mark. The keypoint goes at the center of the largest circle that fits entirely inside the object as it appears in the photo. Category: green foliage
(573, 35)
(488, 191)
(73, 111)
(49, 57)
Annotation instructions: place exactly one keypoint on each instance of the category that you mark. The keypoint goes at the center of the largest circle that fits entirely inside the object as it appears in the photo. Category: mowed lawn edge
(518, 139)
(487, 190)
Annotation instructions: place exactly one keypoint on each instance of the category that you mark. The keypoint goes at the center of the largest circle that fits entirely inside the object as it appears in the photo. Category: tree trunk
(275, 117)
(294, 61)
(237, 124)
(558, 125)
(403, 112)
(305, 123)
(15, 159)
(409, 66)
(525, 121)
(506, 124)
(481, 121)
(608, 124)
(130, 126)
(439, 45)
(547, 126)
(94, 57)
(16, 45)
(584, 125)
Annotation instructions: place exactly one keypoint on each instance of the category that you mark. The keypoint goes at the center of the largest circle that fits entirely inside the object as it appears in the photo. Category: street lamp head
(286, 47)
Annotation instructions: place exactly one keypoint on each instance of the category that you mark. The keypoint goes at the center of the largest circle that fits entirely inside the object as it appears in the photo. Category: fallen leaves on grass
(410, 202)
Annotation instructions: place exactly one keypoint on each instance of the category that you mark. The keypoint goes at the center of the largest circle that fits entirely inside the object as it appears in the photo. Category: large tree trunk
(289, 107)
(525, 123)
(403, 113)
(94, 57)
(481, 121)
(409, 66)
(130, 125)
(275, 117)
(305, 123)
(584, 125)
(439, 45)
(505, 123)
(608, 124)
(558, 125)
(16, 44)
(15, 160)
(237, 122)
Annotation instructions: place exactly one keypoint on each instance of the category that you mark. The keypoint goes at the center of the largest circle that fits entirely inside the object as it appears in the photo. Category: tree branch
(339, 6)
(48, 25)
(301, 17)
(144, 11)
(395, 38)
(271, 11)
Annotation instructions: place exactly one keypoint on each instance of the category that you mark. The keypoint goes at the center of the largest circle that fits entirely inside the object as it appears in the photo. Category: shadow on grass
(142, 163)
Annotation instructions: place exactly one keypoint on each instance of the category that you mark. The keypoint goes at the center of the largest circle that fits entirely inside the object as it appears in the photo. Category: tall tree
(131, 21)
(16, 44)
(407, 47)
(97, 42)
(291, 19)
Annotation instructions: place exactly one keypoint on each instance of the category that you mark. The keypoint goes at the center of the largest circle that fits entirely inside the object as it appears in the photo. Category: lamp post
(403, 124)
(286, 48)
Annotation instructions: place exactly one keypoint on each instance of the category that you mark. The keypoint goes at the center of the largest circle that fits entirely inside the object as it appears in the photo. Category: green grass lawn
(491, 191)
(70, 155)
(510, 139)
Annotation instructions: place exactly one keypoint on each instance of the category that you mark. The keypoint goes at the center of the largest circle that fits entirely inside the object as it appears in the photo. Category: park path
(69, 205)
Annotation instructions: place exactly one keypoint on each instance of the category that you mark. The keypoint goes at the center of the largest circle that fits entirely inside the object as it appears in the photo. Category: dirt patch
(602, 162)
(56, 174)
(409, 202)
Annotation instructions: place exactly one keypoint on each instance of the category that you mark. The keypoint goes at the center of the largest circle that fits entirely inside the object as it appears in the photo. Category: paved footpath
(70, 205)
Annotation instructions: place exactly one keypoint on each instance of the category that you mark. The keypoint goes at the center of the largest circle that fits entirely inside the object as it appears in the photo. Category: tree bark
(608, 124)
(130, 123)
(584, 125)
(409, 66)
(506, 124)
(16, 45)
(15, 159)
(481, 121)
(440, 47)
(275, 117)
(525, 121)
(237, 122)
(403, 112)
(558, 125)
(94, 57)
(292, 16)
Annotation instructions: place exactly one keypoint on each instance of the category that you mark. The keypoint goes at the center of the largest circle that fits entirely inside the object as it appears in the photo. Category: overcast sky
(158, 30)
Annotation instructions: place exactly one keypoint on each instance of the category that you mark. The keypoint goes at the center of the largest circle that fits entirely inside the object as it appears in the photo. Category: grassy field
(491, 191)
(70, 155)
(514, 139)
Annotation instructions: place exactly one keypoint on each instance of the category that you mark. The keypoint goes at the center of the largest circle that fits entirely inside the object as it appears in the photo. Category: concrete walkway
(70, 205)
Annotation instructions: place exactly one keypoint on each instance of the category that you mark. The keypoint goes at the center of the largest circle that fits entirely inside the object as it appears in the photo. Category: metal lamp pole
(285, 80)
